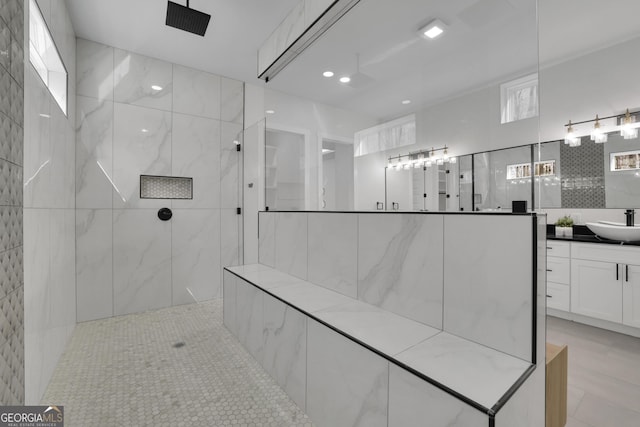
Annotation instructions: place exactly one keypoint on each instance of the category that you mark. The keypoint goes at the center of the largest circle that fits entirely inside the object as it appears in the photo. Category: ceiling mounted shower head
(187, 19)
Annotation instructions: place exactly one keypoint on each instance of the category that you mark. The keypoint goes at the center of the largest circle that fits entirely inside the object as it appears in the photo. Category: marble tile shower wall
(49, 211)
(427, 268)
(140, 115)
(11, 242)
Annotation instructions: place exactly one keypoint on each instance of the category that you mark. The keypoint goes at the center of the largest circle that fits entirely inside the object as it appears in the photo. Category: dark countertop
(582, 234)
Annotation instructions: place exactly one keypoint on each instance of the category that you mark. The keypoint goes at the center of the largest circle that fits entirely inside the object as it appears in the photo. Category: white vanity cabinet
(596, 289)
(558, 274)
(605, 282)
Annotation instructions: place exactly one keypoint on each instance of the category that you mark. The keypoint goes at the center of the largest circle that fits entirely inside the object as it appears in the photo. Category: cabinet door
(595, 290)
(631, 296)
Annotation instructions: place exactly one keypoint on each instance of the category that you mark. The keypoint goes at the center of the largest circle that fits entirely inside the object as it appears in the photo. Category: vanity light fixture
(570, 138)
(597, 134)
(328, 74)
(433, 29)
(626, 124)
(627, 128)
(418, 159)
(345, 79)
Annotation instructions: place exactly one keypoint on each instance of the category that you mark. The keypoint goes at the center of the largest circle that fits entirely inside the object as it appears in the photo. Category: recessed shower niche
(165, 187)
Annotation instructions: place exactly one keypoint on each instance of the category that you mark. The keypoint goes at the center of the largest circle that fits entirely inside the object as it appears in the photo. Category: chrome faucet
(630, 214)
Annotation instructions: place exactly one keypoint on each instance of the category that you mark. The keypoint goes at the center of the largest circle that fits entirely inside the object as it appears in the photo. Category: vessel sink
(615, 231)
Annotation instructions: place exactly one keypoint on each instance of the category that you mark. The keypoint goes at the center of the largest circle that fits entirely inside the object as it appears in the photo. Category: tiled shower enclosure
(143, 116)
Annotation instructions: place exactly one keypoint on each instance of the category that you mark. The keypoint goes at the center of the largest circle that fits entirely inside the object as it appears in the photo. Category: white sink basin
(615, 231)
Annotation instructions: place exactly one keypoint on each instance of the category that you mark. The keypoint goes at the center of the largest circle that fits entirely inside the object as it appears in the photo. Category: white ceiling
(229, 47)
(488, 41)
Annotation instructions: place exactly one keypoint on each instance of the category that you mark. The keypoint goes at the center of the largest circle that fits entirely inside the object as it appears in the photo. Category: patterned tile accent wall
(582, 175)
(11, 149)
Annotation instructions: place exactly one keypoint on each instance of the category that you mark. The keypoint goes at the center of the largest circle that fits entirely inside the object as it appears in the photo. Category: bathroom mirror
(592, 176)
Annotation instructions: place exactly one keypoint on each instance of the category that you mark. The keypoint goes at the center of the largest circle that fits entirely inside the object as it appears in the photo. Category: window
(519, 98)
(393, 134)
(45, 58)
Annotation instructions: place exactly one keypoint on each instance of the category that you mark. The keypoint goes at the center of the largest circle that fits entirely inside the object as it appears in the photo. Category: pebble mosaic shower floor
(172, 367)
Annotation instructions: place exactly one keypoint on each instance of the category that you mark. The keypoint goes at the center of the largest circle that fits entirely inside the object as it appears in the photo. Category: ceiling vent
(186, 19)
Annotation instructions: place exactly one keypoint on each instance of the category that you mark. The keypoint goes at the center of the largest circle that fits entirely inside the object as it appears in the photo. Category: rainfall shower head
(186, 19)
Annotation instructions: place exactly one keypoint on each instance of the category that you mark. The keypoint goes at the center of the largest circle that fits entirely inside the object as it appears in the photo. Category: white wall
(128, 260)
(49, 212)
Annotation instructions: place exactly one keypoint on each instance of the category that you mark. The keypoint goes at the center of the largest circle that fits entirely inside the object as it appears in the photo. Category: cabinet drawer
(558, 270)
(606, 253)
(558, 249)
(558, 296)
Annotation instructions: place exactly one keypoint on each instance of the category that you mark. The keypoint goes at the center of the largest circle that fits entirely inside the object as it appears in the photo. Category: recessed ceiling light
(433, 29)
(328, 74)
(156, 87)
(144, 130)
(270, 112)
(406, 101)
(345, 79)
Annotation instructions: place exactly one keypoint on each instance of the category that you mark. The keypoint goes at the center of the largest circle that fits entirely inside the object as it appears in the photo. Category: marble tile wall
(451, 272)
(413, 400)
(400, 265)
(139, 115)
(333, 251)
(49, 210)
(488, 283)
(12, 363)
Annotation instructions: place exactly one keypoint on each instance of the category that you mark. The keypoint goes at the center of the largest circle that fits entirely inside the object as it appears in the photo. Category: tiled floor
(604, 375)
(127, 371)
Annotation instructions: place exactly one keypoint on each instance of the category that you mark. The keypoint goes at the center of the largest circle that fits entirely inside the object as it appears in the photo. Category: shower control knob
(165, 214)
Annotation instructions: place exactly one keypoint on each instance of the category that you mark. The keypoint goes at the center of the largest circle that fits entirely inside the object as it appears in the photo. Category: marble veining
(488, 294)
(94, 153)
(250, 318)
(285, 348)
(142, 145)
(333, 250)
(478, 372)
(400, 264)
(267, 239)
(413, 400)
(94, 264)
(135, 77)
(309, 297)
(195, 153)
(383, 330)
(141, 261)
(291, 243)
(347, 385)
(290, 29)
(94, 67)
(231, 100)
(196, 92)
(269, 279)
(195, 255)
(229, 301)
